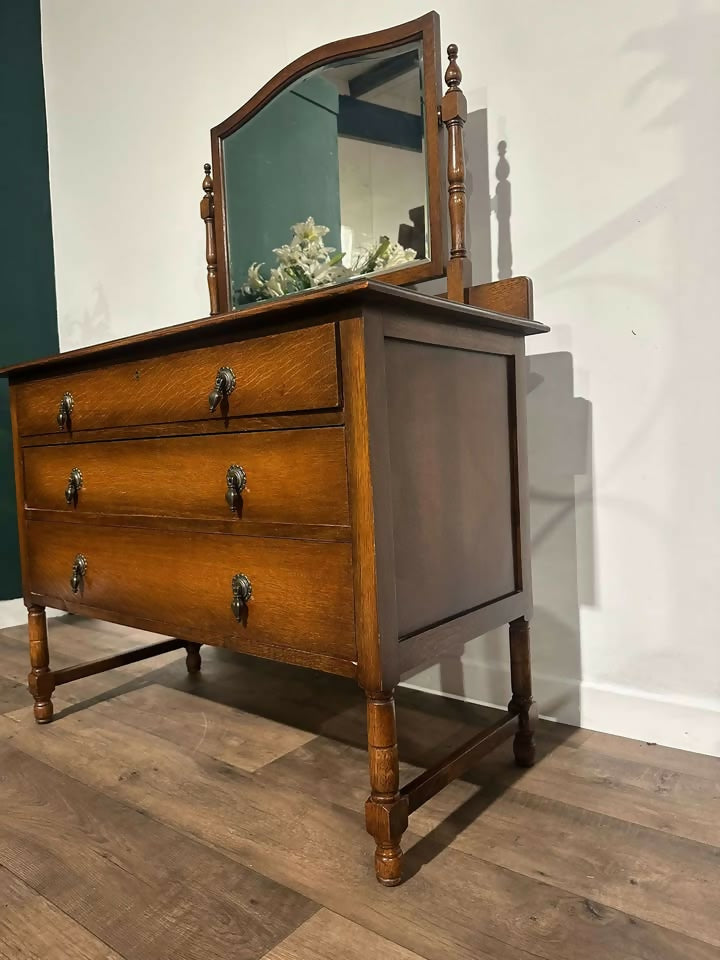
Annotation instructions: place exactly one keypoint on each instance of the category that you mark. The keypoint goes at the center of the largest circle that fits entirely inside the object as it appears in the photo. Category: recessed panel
(452, 480)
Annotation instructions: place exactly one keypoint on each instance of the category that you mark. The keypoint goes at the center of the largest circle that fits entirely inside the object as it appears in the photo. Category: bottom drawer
(181, 584)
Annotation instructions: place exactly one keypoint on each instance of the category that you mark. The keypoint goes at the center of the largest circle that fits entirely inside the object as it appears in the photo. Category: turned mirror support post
(453, 114)
(207, 212)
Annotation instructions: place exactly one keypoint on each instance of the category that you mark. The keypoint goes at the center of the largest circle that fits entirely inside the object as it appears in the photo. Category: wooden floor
(164, 816)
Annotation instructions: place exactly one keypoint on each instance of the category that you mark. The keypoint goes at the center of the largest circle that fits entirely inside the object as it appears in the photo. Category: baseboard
(13, 613)
(683, 722)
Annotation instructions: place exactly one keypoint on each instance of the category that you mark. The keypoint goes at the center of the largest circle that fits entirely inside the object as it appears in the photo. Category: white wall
(609, 109)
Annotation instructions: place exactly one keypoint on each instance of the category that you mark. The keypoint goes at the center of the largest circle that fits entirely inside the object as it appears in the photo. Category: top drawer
(273, 374)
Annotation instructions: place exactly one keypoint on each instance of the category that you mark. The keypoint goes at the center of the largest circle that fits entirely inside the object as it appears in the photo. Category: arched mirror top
(331, 171)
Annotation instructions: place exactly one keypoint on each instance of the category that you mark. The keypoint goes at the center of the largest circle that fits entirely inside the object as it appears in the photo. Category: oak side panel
(293, 477)
(278, 373)
(519, 453)
(449, 416)
(363, 370)
(302, 591)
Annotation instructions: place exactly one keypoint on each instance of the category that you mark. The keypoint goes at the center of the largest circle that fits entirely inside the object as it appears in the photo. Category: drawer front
(181, 584)
(292, 477)
(274, 374)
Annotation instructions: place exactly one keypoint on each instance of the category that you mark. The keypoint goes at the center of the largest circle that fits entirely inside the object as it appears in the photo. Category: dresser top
(311, 306)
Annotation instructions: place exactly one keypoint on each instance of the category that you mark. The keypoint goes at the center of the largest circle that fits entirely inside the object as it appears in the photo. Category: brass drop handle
(224, 386)
(236, 479)
(242, 592)
(75, 481)
(79, 570)
(66, 405)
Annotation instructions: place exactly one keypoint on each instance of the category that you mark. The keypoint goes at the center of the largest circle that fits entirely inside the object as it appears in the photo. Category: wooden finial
(207, 213)
(454, 114)
(453, 74)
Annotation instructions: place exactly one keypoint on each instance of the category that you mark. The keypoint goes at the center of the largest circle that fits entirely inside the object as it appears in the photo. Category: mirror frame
(426, 29)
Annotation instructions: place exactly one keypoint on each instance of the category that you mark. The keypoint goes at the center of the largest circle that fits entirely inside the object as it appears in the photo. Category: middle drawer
(292, 476)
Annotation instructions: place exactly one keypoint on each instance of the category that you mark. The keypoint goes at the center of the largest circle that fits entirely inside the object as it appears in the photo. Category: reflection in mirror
(328, 179)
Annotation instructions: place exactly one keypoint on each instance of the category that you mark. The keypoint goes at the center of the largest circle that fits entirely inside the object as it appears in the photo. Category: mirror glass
(328, 179)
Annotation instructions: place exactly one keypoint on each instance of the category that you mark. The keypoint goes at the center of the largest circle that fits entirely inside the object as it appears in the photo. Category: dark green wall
(28, 315)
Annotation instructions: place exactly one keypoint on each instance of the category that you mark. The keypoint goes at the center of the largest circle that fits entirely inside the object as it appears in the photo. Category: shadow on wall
(94, 327)
(501, 206)
(562, 530)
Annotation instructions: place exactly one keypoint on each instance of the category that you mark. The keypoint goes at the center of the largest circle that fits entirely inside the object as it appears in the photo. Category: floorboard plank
(13, 695)
(195, 723)
(652, 875)
(652, 754)
(144, 889)
(164, 813)
(684, 805)
(455, 904)
(31, 928)
(326, 936)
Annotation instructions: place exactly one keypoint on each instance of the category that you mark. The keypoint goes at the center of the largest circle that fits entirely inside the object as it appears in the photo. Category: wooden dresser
(335, 480)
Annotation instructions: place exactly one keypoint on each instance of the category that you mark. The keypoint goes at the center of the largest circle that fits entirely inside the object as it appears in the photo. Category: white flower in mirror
(306, 262)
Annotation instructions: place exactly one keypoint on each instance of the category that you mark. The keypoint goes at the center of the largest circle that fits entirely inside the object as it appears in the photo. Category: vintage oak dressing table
(336, 478)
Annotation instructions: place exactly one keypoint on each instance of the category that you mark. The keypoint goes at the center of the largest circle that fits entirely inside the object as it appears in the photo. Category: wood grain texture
(449, 423)
(133, 883)
(504, 864)
(306, 309)
(521, 702)
(513, 296)
(293, 477)
(181, 584)
(195, 719)
(158, 555)
(31, 928)
(457, 905)
(19, 483)
(283, 372)
(384, 820)
(207, 215)
(368, 482)
(40, 680)
(12, 694)
(191, 428)
(453, 111)
(327, 936)
(661, 879)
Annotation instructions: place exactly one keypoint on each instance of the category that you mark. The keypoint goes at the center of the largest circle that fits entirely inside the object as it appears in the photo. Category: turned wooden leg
(41, 681)
(385, 813)
(521, 682)
(193, 660)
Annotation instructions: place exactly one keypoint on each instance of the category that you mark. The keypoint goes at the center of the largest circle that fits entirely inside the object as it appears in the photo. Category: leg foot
(193, 660)
(43, 711)
(41, 681)
(385, 811)
(524, 748)
(522, 700)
